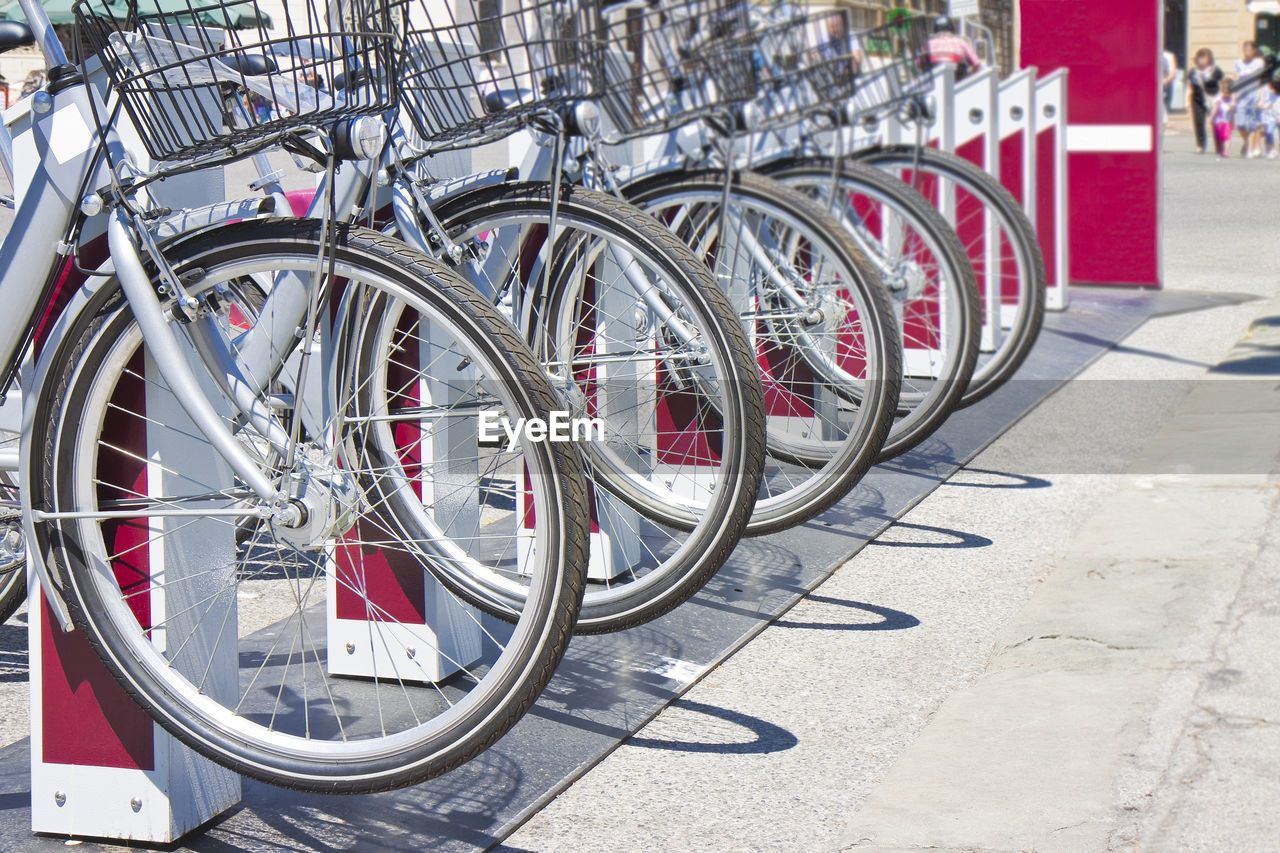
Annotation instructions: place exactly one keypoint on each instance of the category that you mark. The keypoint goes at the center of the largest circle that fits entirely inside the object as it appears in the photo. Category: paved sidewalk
(1068, 647)
(1133, 701)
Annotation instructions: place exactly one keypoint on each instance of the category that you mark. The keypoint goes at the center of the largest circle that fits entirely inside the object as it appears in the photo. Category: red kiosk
(1112, 49)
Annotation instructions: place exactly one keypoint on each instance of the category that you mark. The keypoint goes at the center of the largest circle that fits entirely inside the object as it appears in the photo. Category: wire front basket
(898, 67)
(470, 81)
(817, 64)
(669, 65)
(207, 78)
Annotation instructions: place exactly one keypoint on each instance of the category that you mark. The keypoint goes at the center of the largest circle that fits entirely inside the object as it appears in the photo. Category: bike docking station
(1045, 195)
(386, 617)
(100, 766)
(1015, 130)
(1112, 142)
(620, 535)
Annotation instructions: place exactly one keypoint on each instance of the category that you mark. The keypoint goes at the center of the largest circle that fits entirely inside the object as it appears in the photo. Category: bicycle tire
(100, 335)
(952, 295)
(994, 370)
(586, 216)
(832, 476)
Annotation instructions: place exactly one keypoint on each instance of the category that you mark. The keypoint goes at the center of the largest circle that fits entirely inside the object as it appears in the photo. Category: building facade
(1220, 25)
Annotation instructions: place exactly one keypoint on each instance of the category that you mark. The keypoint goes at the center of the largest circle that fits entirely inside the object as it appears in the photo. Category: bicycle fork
(175, 367)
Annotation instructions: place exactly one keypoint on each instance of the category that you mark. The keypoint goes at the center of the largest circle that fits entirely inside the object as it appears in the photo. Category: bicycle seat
(15, 34)
(251, 64)
(348, 81)
(497, 100)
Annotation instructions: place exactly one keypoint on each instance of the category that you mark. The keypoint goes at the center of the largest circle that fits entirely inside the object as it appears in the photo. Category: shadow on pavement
(1261, 359)
(1010, 481)
(890, 619)
(958, 538)
(768, 737)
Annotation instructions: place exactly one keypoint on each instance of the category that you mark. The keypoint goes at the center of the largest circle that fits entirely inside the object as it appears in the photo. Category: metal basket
(817, 64)
(200, 78)
(667, 66)
(810, 63)
(897, 68)
(466, 82)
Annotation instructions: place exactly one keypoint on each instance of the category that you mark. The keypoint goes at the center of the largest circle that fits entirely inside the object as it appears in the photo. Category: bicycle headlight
(362, 138)
(586, 119)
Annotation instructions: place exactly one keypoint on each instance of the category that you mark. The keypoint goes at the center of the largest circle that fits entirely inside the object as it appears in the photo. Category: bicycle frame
(58, 137)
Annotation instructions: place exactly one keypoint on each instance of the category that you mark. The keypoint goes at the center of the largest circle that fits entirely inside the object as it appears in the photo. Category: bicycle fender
(45, 569)
(441, 191)
(628, 175)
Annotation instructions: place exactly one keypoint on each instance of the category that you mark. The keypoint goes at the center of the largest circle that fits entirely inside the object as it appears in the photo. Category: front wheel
(332, 655)
(641, 340)
(818, 318)
(927, 273)
(1002, 247)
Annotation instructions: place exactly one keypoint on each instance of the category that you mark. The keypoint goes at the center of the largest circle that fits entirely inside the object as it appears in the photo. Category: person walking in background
(1168, 73)
(1223, 115)
(946, 45)
(1269, 110)
(1204, 85)
(1248, 118)
(841, 43)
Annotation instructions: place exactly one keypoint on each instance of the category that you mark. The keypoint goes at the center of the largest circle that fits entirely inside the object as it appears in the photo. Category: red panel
(1011, 164)
(69, 280)
(1114, 224)
(384, 583)
(378, 584)
(86, 717)
(788, 382)
(300, 201)
(1011, 178)
(1112, 48)
(974, 151)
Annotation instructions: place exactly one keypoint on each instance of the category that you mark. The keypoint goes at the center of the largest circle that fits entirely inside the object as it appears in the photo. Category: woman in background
(1204, 85)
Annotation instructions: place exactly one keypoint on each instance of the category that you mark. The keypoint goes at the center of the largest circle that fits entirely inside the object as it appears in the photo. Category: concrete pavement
(1065, 648)
(1110, 713)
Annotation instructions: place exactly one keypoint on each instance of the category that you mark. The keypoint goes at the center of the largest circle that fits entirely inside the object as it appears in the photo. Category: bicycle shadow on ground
(985, 478)
(461, 814)
(767, 737)
(934, 537)
(890, 619)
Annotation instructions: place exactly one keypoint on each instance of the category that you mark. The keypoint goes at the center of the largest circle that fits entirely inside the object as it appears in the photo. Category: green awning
(237, 16)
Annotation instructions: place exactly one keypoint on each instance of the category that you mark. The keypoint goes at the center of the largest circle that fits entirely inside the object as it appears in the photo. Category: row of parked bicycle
(252, 463)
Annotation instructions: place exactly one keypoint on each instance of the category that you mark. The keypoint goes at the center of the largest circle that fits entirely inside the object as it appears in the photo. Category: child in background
(1269, 104)
(1223, 116)
(1247, 118)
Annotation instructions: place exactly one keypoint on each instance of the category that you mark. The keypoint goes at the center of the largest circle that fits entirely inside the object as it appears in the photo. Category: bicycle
(627, 322)
(815, 64)
(247, 417)
(998, 238)
(814, 306)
